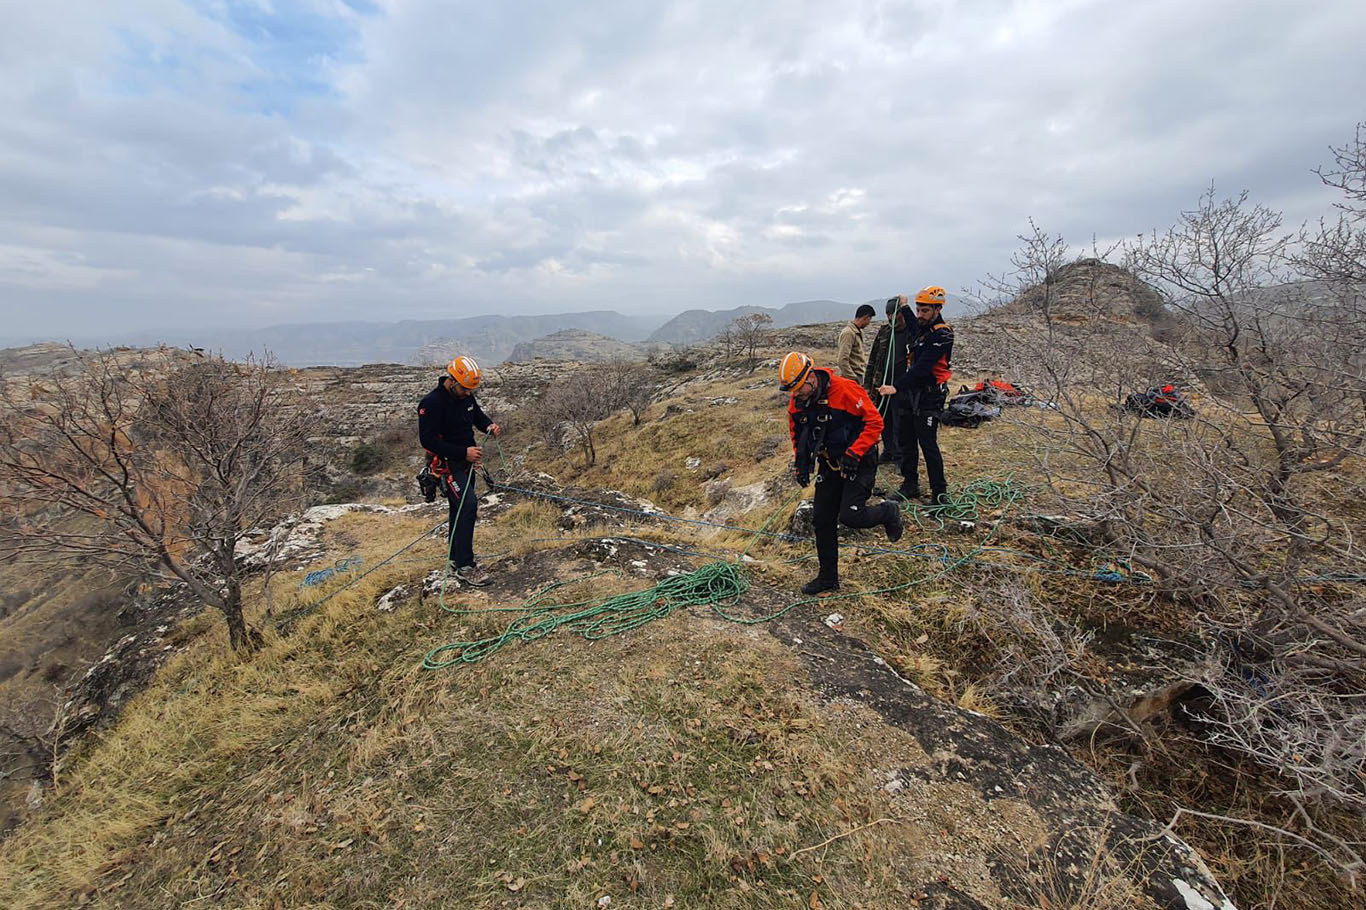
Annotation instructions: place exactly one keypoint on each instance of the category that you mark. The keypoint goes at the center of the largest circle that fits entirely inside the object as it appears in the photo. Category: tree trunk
(243, 638)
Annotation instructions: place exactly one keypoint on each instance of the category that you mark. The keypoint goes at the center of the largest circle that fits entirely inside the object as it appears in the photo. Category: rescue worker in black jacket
(922, 391)
(446, 421)
(834, 429)
(886, 363)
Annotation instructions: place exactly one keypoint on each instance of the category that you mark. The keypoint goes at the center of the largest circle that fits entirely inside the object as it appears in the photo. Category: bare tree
(576, 405)
(628, 384)
(1041, 257)
(1335, 251)
(728, 340)
(1226, 512)
(749, 332)
(151, 462)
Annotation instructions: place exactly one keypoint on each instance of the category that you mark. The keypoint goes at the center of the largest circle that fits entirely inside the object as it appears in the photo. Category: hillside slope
(697, 760)
(757, 752)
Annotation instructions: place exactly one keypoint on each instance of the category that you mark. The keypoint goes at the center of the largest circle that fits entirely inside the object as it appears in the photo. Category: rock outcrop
(1085, 833)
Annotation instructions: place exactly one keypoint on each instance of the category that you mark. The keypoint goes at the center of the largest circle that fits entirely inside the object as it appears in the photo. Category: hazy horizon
(115, 337)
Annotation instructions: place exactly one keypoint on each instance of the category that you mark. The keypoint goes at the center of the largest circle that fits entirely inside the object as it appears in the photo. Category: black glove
(801, 475)
(849, 463)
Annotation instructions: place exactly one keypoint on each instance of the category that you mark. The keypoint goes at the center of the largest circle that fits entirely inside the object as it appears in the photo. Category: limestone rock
(1082, 821)
(730, 502)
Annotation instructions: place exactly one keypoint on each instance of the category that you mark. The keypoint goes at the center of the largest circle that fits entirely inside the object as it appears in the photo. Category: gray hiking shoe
(473, 575)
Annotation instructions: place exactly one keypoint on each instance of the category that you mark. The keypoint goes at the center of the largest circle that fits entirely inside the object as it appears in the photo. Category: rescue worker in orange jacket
(922, 391)
(835, 428)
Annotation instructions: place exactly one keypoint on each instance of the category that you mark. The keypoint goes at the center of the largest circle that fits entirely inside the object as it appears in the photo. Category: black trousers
(842, 501)
(919, 432)
(459, 485)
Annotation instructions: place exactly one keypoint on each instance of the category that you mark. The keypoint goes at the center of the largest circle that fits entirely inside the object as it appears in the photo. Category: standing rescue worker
(922, 391)
(834, 429)
(851, 361)
(446, 421)
(886, 363)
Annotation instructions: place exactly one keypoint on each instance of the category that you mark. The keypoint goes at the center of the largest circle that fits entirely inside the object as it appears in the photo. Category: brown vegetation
(156, 463)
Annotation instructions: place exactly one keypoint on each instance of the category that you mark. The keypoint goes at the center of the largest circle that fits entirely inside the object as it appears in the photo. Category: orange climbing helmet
(793, 371)
(932, 296)
(465, 372)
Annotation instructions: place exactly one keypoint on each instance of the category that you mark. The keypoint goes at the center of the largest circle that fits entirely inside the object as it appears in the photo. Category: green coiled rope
(596, 618)
(716, 584)
(966, 503)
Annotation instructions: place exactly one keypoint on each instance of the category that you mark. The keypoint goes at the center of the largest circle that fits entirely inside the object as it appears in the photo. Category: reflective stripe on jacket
(842, 412)
(928, 361)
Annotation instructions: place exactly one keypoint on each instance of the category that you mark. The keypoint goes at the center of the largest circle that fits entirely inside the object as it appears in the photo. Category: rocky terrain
(973, 739)
(1001, 823)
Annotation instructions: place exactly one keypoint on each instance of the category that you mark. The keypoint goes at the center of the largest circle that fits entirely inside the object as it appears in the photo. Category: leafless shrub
(630, 385)
(151, 462)
(1033, 647)
(575, 406)
(1224, 511)
(729, 341)
(1335, 250)
(1285, 717)
(749, 333)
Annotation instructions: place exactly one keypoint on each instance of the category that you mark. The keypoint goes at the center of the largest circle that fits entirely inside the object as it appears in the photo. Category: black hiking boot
(908, 491)
(893, 523)
(819, 585)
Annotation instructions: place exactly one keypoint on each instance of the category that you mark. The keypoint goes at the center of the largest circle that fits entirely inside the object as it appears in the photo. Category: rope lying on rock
(715, 584)
(595, 618)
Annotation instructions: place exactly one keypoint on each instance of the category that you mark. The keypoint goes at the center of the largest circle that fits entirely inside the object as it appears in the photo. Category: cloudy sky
(194, 163)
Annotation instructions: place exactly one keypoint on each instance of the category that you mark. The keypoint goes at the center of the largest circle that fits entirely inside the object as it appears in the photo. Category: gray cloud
(163, 164)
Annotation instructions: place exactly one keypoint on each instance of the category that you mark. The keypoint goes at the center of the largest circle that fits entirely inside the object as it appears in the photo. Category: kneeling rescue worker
(835, 428)
(446, 421)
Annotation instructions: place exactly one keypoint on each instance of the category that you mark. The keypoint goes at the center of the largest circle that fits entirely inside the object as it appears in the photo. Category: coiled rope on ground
(716, 584)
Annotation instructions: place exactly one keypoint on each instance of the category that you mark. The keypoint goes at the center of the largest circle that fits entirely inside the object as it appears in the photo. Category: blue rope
(342, 566)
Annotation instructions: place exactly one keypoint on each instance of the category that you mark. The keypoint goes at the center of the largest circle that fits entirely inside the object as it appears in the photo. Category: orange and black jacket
(839, 417)
(927, 362)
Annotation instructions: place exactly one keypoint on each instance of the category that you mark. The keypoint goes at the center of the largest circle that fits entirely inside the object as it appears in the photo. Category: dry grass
(330, 769)
(683, 761)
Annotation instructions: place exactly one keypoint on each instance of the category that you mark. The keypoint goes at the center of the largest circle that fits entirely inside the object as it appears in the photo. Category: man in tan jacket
(851, 361)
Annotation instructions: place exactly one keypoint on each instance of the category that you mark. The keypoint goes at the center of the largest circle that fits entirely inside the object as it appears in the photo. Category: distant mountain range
(693, 326)
(575, 344)
(490, 339)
